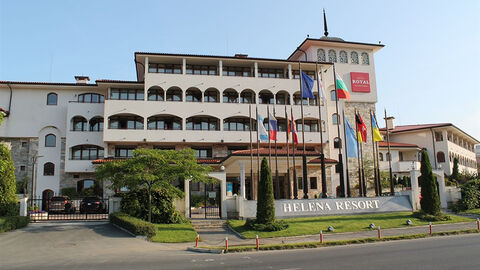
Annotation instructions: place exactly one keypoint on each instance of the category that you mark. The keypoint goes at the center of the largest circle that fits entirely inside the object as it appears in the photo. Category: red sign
(360, 82)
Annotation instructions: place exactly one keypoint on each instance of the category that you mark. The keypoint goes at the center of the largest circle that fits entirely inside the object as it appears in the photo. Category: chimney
(82, 79)
(391, 122)
(240, 55)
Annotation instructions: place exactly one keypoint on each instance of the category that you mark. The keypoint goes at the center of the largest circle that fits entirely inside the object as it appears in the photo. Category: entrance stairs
(205, 224)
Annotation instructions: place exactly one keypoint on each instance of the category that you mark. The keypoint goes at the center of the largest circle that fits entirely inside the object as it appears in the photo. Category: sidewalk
(216, 237)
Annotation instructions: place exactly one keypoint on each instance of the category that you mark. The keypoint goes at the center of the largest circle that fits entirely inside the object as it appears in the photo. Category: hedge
(10, 223)
(133, 225)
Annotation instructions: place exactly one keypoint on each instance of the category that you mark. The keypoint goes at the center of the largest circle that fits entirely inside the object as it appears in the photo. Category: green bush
(133, 225)
(428, 217)
(8, 186)
(70, 192)
(135, 204)
(277, 225)
(470, 195)
(430, 201)
(22, 186)
(265, 203)
(13, 222)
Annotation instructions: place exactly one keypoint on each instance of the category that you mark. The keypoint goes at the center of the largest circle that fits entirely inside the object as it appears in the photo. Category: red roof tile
(327, 160)
(199, 160)
(266, 152)
(395, 144)
(415, 127)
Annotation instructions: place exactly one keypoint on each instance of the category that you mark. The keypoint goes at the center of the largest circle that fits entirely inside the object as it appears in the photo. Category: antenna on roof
(325, 24)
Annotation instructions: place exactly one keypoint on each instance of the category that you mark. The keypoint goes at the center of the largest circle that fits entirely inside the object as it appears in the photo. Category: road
(101, 246)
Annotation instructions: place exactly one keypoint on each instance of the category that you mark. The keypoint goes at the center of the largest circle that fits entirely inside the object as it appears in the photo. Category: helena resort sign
(319, 207)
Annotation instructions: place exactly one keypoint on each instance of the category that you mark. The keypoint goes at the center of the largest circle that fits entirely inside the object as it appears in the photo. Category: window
(354, 57)
(156, 93)
(96, 124)
(440, 157)
(237, 124)
(50, 140)
(24, 144)
(202, 123)
(321, 55)
(52, 99)
(91, 98)
(283, 97)
(388, 156)
(332, 56)
(271, 73)
(125, 122)
(164, 147)
(126, 94)
(300, 183)
(165, 68)
(313, 182)
(265, 97)
(247, 96)
(164, 123)
(211, 95)
(343, 57)
(22, 168)
(202, 152)
(49, 169)
(297, 99)
(174, 94)
(85, 184)
(311, 74)
(380, 156)
(124, 151)
(337, 142)
(310, 125)
(333, 95)
(335, 119)
(400, 156)
(195, 186)
(87, 152)
(365, 60)
(230, 96)
(193, 95)
(438, 136)
(201, 70)
(79, 124)
(237, 71)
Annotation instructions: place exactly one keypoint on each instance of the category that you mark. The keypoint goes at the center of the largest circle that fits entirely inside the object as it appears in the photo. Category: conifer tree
(430, 201)
(265, 203)
(455, 174)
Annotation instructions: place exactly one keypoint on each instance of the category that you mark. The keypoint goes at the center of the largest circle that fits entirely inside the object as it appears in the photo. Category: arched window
(343, 57)
(321, 55)
(87, 152)
(156, 93)
(52, 99)
(313, 101)
(79, 123)
(333, 95)
(164, 122)
(85, 184)
(354, 57)
(125, 122)
(332, 56)
(265, 97)
(310, 125)
(193, 95)
(380, 156)
(49, 169)
(440, 157)
(96, 123)
(335, 119)
(212, 95)
(174, 94)
(247, 96)
(230, 96)
(297, 99)
(337, 142)
(91, 98)
(365, 60)
(203, 123)
(283, 97)
(50, 140)
(238, 124)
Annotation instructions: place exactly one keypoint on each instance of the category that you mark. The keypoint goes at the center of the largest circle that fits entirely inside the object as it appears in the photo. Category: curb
(127, 231)
(235, 232)
(205, 250)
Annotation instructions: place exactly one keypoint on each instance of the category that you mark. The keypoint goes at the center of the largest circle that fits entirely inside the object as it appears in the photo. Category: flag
(352, 150)
(321, 94)
(291, 128)
(342, 91)
(376, 132)
(262, 132)
(307, 85)
(362, 128)
(273, 127)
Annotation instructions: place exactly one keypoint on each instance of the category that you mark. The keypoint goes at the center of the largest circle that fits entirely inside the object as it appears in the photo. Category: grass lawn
(174, 233)
(350, 223)
(472, 211)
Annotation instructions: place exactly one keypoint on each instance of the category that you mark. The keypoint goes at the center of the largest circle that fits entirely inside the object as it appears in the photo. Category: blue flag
(307, 85)
(352, 150)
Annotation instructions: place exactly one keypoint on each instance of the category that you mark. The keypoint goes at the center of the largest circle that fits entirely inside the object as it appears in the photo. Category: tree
(265, 203)
(454, 177)
(153, 170)
(8, 185)
(430, 201)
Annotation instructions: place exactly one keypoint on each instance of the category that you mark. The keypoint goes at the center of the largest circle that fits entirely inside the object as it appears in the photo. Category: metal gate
(48, 208)
(205, 200)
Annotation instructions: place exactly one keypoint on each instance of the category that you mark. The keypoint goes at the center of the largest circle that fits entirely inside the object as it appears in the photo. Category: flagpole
(392, 188)
(295, 185)
(340, 157)
(304, 157)
(322, 153)
(258, 151)
(349, 193)
(251, 150)
(378, 163)
(363, 171)
(289, 188)
(374, 154)
(360, 184)
(277, 183)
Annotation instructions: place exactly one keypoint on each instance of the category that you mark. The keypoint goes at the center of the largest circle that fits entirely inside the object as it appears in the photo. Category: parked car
(61, 204)
(91, 205)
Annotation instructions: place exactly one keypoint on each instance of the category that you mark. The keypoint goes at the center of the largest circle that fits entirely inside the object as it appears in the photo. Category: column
(242, 180)
(255, 69)
(220, 68)
(415, 196)
(186, 190)
(147, 63)
(290, 74)
(439, 174)
(184, 66)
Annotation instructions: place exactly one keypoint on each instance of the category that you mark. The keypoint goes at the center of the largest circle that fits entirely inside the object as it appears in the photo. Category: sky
(426, 73)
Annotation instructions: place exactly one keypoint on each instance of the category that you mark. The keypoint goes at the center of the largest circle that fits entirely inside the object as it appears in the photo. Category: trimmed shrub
(8, 185)
(430, 201)
(133, 225)
(265, 203)
(277, 225)
(12, 223)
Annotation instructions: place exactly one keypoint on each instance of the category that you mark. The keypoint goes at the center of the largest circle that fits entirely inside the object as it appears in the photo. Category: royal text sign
(360, 82)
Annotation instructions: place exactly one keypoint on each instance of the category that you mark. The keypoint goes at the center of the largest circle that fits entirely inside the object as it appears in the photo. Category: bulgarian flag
(342, 91)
